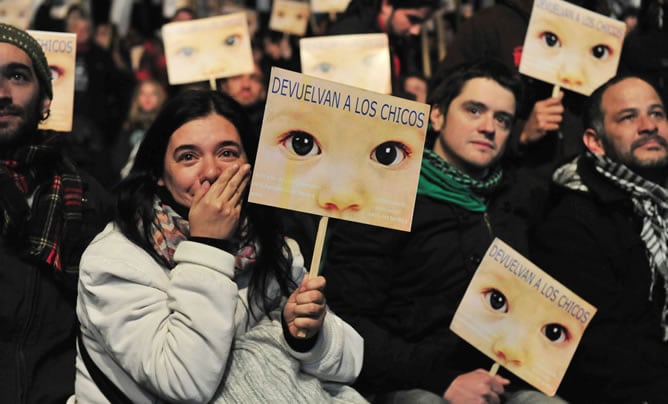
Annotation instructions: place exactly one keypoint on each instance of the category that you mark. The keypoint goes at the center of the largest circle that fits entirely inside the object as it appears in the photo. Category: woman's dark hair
(136, 193)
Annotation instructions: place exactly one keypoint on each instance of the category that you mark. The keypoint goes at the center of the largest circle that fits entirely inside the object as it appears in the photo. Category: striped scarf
(169, 229)
(650, 201)
(45, 232)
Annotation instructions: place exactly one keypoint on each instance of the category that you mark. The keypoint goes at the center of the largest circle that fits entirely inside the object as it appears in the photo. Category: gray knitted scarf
(650, 201)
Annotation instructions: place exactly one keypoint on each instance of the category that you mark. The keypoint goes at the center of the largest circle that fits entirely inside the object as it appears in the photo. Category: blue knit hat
(29, 45)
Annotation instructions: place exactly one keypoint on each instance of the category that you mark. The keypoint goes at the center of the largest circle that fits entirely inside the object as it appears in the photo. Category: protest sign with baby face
(207, 48)
(359, 60)
(522, 318)
(290, 17)
(60, 51)
(338, 151)
(570, 46)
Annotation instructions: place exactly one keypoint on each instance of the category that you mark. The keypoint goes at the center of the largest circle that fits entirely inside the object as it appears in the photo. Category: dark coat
(591, 243)
(101, 97)
(400, 290)
(38, 324)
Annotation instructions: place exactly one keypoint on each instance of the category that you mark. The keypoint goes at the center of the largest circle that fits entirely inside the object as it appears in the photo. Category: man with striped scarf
(49, 211)
(606, 238)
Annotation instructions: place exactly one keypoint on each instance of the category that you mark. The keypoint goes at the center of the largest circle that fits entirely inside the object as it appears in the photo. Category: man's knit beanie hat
(29, 45)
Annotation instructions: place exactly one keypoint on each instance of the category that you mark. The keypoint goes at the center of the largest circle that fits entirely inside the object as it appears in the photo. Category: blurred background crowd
(121, 76)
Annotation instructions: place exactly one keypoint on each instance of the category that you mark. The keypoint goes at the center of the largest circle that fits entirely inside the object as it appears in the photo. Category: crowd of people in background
(577, 183)
(111, 65)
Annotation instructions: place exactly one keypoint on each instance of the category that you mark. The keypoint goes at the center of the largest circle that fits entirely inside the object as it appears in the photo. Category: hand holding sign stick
(338, 151)
(317, 253)
(494, 369)
(521, 318)
(570, 46)
(335, 150)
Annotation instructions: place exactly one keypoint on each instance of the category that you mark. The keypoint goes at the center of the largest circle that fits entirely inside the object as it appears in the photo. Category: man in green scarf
(400, 290)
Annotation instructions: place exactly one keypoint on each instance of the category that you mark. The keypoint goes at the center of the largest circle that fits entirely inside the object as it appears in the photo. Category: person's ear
(593, 142)
(386, 10)
(437, 118)
(46, 109)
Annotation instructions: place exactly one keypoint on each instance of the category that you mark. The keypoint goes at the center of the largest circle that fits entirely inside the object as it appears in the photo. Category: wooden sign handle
(494, 369)
(317, 248)
(317, 253)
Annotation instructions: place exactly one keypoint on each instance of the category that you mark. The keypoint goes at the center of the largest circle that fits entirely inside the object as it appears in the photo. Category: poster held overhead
(329, 6)
(207, 48)
(290, 17)
(522, 318)
(59, 8)
(349, 59)
(60, 51)
(570, 46)
(18, 13)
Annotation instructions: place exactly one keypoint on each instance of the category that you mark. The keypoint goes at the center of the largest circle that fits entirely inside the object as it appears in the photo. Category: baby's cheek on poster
(391, 189)
(293, 175)
(601, 68)
(303, 179)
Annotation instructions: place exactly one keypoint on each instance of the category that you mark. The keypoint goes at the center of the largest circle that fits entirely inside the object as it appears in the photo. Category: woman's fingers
(237, 196)
(201, 192)
(220, 185)
(216, 207)
(232, 181)
(228, 188)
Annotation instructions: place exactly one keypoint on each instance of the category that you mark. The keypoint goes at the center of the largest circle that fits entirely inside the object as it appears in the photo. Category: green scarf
(441, 181)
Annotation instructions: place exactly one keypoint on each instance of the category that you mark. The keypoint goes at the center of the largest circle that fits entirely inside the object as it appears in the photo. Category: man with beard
(606, 238)
(49, 211)
(249, 90)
